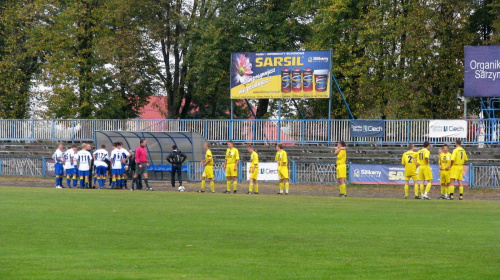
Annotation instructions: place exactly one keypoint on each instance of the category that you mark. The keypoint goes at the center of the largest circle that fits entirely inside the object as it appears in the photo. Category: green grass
(78, 234)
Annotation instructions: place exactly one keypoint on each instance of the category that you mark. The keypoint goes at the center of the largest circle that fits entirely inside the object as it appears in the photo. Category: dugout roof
(159, 144)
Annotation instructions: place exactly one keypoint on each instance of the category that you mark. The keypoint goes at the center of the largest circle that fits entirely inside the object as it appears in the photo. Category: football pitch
(103, 234)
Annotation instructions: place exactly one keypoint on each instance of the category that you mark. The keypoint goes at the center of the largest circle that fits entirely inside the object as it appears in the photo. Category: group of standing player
(450, 169)
(231, 162)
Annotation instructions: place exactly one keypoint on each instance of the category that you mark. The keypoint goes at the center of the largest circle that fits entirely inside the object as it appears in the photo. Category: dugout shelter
(159, 145)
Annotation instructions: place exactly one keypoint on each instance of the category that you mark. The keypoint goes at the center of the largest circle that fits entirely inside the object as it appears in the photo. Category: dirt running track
(272, 189)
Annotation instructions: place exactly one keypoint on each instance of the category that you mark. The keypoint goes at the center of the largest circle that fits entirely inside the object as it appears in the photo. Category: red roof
(156, 109)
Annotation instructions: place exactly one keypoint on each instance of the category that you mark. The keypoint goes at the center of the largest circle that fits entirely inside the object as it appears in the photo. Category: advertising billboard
(366, 128)
(281, 75)
(482, 71)
(268, 171)
(448, 128)
(390, 174)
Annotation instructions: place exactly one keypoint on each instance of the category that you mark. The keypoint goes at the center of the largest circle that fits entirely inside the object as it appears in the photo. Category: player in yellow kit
(208, 171)
(409, 161)
(424, 170)
(282, 160)
(458, 158)
(444, 170)
(341, 154)
(253, 170)
(231, 165)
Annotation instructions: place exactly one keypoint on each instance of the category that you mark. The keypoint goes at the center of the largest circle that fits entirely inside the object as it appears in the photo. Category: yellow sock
(406, 190)
(344, 189)
(228, 186)
(421, 188)
(203, 185)
(451, 190)
(428, 188)
(212, 186)
(442, 190)
(250, 188)
(256, 188)
(281, 187)
(416, 189)
(446, 190)
(287, 185)
(235, 185)
(461, 190)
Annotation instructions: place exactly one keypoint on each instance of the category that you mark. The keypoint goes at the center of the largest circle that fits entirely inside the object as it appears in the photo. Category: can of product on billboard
(321, 79)
(307, 79)
(296, 80)
(286, 85)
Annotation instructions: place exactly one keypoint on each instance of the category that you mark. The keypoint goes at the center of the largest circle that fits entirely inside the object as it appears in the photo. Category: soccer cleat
(149, 189)
(340, 195)
(201, 191)
(460, 198)
(249, 193)
(256, 193)
(59, 187)
(426, 197)
(286, 193)
(405, 197)
(344, 195)
(227, 192)
(442, 197)
(234, 191)
(417, 197)
(279, 193)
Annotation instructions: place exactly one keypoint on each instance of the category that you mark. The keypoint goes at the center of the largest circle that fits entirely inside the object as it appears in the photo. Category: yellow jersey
(232, 155)
(422, 155)
(444, 160)
(409, 161)
(254, 159)
(459, 156)
(341, 157)
(208, 158)
(282, 158)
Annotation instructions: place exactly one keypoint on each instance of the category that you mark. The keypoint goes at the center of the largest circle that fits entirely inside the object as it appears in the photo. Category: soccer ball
(181, 188)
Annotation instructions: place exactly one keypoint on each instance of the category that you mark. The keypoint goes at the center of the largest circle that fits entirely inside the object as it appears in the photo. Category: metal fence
(300, 172)
(248, 131)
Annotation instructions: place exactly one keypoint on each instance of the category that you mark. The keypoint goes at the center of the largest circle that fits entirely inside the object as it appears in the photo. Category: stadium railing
(300, 172)
(242, 131)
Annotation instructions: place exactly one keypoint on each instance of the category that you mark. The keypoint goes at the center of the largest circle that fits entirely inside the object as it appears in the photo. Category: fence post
(240, 164)
(44, 168)
(407, 132)
(189, 171)
(471, 175)
(0, 166)
(32, 131)
(53, 135)
(137, 128)
(294, 172)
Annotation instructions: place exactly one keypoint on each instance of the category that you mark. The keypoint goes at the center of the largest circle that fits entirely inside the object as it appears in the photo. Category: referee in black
(176, 158)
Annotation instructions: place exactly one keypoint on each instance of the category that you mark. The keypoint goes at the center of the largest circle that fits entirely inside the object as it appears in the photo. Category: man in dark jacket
(176, 158)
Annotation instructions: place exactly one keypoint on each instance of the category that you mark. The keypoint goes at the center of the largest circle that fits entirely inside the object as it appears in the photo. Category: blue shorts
(70, 171)
(84, 173)
(101, 170)
(58, 169)
(116, 171)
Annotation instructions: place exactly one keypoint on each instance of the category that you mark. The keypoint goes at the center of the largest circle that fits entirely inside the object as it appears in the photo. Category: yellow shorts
(208, 172)
(255, 173)
(457, 172)
(411, 177)
(230, 172)
(444, 177)
(341, 171)
(283, 172)
(425, 173)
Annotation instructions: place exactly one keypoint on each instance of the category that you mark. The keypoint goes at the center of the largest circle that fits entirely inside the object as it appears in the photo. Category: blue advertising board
(482, 71)
(301, 74)
(390, 174)
(366, 128)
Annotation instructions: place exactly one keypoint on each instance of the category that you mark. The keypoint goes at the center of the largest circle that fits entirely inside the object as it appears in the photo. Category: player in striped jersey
(458, 158)
(58, 157)
(69, 165)
(253, 170)
(84, 159)
(100, 157)
(208, 171)
(409, 161)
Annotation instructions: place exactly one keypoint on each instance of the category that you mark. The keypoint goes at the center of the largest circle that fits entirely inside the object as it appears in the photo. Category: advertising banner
(268, 171)
(390, 174)
(366, 128)
(448, 128)
(280, 75)
(482, 71)
(49, 167)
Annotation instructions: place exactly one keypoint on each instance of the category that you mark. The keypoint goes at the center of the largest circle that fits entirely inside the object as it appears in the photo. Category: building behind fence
(300, 172)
